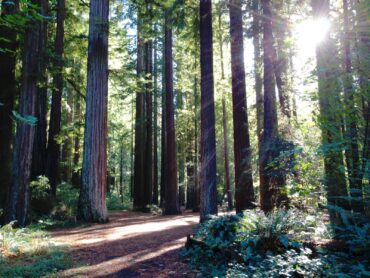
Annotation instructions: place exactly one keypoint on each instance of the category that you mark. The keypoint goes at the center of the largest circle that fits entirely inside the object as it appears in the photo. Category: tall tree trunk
(19, 194)
(140, 127)
(121, 164)
(171, 202)
(155, 128)
(132, 149)
(244, 193)
(56, 102)
(224, 118)
(258, 67)
(196, 204)
(281, 62)
(270, 120)
(226, 157)
(330, 115)
(351, 119)
(148, 180)
(8, 93)
(208, 191)
(76, 174)
(92, 203)
(39, 155)
(163, 135)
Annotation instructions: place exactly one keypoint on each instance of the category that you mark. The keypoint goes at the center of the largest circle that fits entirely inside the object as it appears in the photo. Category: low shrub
(28, 252)
(279, 244)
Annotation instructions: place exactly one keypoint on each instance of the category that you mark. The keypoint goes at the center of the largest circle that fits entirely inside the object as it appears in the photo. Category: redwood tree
(92, 203)
(56, 103)
(171, 201)
(351, 118)
(19, 194)
(270, 120)
(330, 115)
(208, 193)
(8, 94)
(244, 193)
(39, 149)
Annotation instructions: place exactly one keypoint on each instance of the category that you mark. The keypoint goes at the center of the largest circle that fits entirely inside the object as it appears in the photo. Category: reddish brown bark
(19, 194)
(39, 149)
(208, 193)
(171, 201)
(56, 102)
(92, 203)
(244, 193)
(270, 121)
(8, 93)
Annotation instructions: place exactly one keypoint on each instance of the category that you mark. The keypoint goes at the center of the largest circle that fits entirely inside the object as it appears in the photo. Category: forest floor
(131, 244)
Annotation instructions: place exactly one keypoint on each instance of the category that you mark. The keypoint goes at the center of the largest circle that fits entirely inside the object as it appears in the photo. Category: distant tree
(19, 194)
(171, 201)
(208, 192)
(244, 193)
(256, 30)
(92, 203)
(56, 102)
(228, 192)
(8, 94)
(351, 117)
(148, 166)
(155, 126)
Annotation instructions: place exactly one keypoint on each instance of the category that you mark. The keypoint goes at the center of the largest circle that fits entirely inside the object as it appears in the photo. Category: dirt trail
(131, 245)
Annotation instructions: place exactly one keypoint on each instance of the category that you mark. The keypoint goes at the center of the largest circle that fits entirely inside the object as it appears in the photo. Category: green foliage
(67, 200)
(279, 244)
(114, 202)
(40, 187)
(28, 252)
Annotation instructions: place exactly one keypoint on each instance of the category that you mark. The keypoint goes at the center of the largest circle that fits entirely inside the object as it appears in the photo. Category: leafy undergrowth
(28, 252)
(281, 244)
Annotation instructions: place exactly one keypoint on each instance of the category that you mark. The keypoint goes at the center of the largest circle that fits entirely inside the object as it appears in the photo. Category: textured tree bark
(270, 121)
(244, 193)
(92, 203)
(330, 115)
(171, 201)
(208, 193)
(351, 119)
(39, 155)
(148, 167)
(196, 204)
(155, 128)
(281, 62)
(226, 157)
(140, 127)
(8, 94)
(224, 117)
(163, 136)
(53, 150)
(256, 27)
(19, 194)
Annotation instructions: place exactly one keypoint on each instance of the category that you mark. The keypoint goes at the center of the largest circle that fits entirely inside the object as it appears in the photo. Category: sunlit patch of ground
(131, 245)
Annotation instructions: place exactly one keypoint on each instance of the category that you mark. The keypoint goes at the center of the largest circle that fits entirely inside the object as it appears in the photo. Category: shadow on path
(131, 244)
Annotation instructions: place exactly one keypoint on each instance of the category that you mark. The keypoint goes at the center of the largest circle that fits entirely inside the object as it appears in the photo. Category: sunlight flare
(310, 33)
